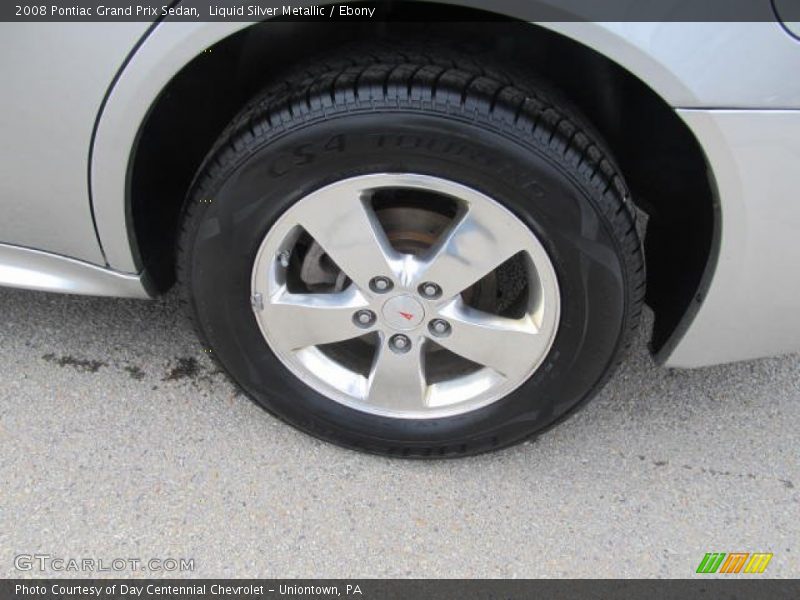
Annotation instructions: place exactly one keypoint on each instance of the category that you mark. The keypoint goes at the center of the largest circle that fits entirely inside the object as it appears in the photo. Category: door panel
(54, 78)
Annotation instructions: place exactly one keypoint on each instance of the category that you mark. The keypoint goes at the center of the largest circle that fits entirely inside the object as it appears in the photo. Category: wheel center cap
(403, 312)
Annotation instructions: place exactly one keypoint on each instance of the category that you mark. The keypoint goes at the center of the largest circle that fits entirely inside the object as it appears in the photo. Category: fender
(650, 51)
(168, 47)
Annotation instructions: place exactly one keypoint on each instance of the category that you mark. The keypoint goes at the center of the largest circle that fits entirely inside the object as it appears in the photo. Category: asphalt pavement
(119, 438)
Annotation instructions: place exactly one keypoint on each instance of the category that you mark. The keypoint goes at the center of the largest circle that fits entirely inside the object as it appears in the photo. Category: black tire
(517, 143)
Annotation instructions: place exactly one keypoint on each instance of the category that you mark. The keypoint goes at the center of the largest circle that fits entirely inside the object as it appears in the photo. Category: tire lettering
(335, 144)
(304, 154)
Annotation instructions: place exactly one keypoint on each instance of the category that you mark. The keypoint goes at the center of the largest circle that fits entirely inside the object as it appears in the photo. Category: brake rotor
(410, 230)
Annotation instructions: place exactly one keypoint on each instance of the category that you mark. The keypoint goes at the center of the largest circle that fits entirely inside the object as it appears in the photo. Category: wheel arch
(179, 90)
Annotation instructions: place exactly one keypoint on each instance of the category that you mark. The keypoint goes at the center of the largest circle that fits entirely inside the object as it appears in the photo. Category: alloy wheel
(405, 295)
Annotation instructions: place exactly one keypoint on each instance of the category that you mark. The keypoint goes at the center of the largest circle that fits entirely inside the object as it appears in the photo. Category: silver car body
(70, 111)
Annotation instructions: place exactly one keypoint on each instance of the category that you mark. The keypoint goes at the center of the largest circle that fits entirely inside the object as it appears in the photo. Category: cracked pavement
(119, 437)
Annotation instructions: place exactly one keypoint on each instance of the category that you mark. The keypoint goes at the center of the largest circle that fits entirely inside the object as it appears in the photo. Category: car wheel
(412, 254)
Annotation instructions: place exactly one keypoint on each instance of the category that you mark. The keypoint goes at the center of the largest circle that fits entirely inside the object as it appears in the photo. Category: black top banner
(392, 10)
(406, 589)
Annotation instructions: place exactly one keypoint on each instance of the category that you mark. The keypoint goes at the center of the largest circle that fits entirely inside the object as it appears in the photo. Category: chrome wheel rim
(402, 325)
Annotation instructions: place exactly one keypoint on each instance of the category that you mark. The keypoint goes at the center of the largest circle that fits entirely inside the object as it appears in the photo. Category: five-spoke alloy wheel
(426, 348)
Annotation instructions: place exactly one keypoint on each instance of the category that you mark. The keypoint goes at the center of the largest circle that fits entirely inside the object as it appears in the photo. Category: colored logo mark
(734, 562)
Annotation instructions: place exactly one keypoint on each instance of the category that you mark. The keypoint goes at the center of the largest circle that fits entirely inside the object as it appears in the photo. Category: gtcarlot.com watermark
(60, 564)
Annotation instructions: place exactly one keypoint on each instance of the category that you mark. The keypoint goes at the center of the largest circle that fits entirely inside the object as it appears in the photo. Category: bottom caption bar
(412, 589)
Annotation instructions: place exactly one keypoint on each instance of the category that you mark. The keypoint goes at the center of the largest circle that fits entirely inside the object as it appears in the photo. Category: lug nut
(381, 285)
(400, 343)
(429, 290)
(439, 327)
(364, 318)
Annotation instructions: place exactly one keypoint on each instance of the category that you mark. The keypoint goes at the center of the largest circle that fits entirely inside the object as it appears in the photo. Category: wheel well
(659, 156)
